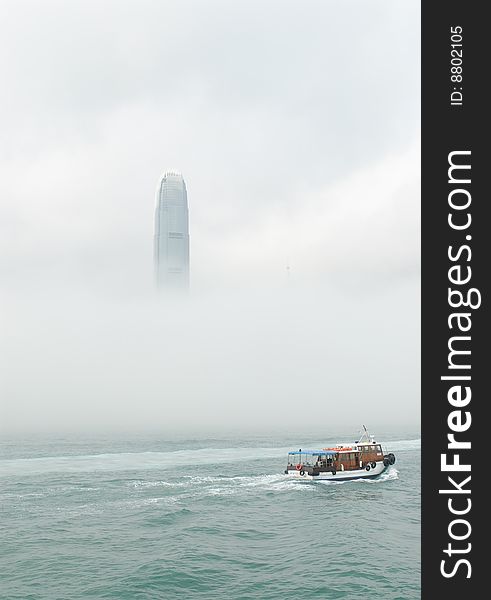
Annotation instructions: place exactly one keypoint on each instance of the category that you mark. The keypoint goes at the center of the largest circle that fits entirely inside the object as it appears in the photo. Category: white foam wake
(129, 461)
(136, 461)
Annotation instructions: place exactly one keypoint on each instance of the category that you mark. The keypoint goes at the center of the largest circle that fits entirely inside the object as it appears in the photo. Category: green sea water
(153, 517)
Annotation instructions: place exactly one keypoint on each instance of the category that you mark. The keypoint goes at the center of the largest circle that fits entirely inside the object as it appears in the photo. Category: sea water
(159, 517)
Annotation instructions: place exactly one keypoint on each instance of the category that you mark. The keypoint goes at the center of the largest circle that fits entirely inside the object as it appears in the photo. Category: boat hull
(340, 475)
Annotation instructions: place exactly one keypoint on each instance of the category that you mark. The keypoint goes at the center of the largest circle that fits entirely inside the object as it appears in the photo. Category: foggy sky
(296, 128)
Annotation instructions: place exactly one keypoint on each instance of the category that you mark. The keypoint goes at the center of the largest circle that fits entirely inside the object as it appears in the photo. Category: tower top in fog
(171, 240)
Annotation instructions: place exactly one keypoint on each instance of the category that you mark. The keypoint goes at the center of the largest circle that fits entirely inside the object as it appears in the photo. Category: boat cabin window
(310, 458)
(373, 448)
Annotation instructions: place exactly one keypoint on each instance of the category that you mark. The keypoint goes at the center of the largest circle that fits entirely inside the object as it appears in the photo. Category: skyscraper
(171, 241)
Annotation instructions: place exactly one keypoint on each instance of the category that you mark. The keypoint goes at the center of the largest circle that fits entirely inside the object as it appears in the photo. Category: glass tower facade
(171, 240)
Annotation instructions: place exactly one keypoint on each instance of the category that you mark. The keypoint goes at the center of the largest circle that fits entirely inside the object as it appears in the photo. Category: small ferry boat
(364, 459)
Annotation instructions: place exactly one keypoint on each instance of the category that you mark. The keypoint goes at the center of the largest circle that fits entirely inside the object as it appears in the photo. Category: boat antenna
(365, 434)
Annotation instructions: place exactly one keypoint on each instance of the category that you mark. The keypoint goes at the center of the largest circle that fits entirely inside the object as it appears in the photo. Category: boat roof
(313, 452)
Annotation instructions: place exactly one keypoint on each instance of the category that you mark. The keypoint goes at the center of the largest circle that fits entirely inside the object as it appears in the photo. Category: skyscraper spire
(171, 240)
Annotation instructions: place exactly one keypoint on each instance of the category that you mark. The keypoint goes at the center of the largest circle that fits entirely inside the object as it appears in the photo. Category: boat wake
(134, 461)
(226, 486)
(175, 459)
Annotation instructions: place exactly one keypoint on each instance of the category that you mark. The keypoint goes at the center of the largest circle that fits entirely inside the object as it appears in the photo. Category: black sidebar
(456, 438)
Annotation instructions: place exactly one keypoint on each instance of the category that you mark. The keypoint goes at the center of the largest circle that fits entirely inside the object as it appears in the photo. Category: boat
(364, 459)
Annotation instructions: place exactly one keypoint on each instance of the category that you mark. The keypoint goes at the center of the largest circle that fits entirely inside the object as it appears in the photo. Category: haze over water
(302, 173)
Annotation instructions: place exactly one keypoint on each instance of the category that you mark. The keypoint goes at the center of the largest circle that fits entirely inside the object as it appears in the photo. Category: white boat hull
(341, 475)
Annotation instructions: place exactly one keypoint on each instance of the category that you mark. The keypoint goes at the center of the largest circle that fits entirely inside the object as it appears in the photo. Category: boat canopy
(313, 452)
